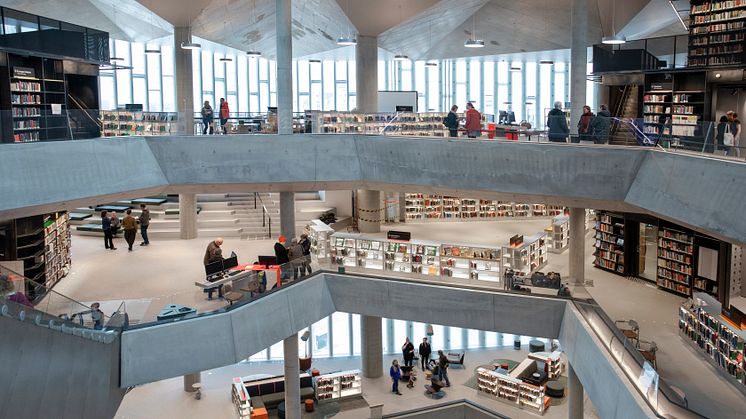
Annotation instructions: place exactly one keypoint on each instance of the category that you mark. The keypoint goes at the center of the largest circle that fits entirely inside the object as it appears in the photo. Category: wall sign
(24, 72)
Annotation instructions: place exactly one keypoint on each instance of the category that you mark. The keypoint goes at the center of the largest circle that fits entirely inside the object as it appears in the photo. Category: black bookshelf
(609, 253)
(717, 33)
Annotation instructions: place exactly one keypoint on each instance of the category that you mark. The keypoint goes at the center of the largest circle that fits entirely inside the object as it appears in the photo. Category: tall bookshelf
(428, 207)
(717, 31)
(675, 261)
(339, 385)
(127, 123)
(609, 245)
(675, 105)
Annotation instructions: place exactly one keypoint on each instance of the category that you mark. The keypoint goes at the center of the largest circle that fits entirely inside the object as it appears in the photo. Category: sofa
(455, 358)
(270, 392)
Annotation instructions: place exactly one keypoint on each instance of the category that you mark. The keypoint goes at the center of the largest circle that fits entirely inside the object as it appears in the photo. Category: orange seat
(309, 405)
(259, 413)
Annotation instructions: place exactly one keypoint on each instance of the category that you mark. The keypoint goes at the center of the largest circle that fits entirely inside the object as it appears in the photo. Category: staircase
(624, 134)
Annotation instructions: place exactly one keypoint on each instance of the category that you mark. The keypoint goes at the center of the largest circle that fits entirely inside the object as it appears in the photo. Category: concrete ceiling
(373, 18)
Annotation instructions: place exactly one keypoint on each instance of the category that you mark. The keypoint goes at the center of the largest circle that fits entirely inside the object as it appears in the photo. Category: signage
(516, 240)
(24, 72)
(399, 235)
(734, 315)
(661, 86)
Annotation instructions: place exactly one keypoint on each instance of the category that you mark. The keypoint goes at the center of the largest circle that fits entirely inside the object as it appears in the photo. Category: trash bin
(491, 126)
(516, 342)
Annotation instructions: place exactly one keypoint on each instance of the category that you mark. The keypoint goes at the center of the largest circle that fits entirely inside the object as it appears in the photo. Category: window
(356, 337)
(106, 90)
(475, 84)
(455, 338)
(320, 334)
(341, 334)
(489, 87)
(138, 58)
(517, 98)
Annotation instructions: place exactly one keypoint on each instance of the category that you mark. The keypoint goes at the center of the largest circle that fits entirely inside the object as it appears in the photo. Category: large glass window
(341, 334)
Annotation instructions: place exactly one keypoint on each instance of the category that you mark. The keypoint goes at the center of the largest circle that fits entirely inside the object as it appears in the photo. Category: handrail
(85, 112)
(388, 123)
(266, 218)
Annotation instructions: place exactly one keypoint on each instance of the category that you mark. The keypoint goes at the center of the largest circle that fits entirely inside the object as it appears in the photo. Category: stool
(555, 389)
(259, 413)
(535, 346)
(281, 410)
(309, 405)
(315, 372)
(197, 387)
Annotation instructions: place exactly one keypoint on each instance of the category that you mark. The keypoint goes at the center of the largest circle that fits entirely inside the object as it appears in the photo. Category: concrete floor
(165, 271)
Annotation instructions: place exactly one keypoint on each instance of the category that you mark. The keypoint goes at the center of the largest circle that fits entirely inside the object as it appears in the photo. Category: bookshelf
(715, 339)
(339, 385)
(128, 123)
(241, 399)
(470, 262)
(528, 255)
(370, 254)
(512, 390)
(426, 124)
(553, 365)
(397, 257)
(343, 250)
(57, 244)
(420, 207)
(675, 106)
(560, 234)
(425, 259)
(609, 244)
(717, 30)
(675, 261)
(319, 237)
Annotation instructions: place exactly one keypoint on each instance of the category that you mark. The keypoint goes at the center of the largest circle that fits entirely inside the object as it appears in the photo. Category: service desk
(242, 272)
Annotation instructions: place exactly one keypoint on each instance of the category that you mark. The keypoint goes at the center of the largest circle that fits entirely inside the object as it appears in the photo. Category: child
(412, 378)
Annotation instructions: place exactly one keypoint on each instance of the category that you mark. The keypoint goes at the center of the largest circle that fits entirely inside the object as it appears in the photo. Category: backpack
(445, 122)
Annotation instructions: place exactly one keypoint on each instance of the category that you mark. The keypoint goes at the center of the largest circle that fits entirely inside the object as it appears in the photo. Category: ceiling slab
(373, 18)
(178, 12)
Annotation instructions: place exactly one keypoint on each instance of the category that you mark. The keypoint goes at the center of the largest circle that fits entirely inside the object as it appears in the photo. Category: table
(555, 389)
(244, 271)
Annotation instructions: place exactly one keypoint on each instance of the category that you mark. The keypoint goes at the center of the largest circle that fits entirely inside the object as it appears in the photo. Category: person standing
(114, 224)
(295, 254)
(557, 124)
(722, 128)
(305, 243)
(129, 224)
(473, 121)
(600, 125)
(443, 368)
(424, 350)
(407, 351)
(106, 226)
(281, 255)
(224, 114)
(735, 129)
(395, 373)
(207, 117)
(451, 122)
(584, 125)
(213, 253)
(144, 220)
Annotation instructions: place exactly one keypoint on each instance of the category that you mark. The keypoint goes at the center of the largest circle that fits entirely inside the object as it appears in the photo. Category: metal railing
(266, 217)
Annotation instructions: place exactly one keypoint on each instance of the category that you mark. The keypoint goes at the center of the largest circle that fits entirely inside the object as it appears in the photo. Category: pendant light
(614, 39)
(253, 53)
(226, 59)
(431, 64)
(547, 62)
(152, 51)
(349, 39)
(473, 42)
(190, 45)
(401, 57)
(430, 44)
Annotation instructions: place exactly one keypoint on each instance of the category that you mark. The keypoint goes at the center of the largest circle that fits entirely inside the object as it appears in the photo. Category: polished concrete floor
(164, 272)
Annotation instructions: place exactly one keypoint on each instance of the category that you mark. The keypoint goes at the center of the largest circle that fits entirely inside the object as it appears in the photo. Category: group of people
(295, 256)
(439, 368)
(729, 134)
(472, 124)
(208, 117)
(591, 127)
(111, 224)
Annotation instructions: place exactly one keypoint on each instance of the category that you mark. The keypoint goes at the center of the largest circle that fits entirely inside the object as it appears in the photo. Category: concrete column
(369, 211)
(292, 377)
(287, 215)
(578, 60)
(366, 70)
(183, 81)
(284, 67)
(190, 379)
(187, 216)
(371, 346)
(577, 246)
(575, 394)
(402, 207)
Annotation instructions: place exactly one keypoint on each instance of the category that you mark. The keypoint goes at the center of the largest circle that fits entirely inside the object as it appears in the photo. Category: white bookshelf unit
(552, 361)
(528, 255)
(241, 399)
(370, 253)
(420, 207)
(512, 390)
(560, 234)
(339, 385)
(320, 233)
(471, 262)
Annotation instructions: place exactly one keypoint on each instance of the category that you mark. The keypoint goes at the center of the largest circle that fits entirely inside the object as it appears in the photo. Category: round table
(281, 410)
(555, 389)
(535, 346)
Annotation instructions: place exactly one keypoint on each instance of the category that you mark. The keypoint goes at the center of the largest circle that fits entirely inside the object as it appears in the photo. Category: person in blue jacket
(395, 373)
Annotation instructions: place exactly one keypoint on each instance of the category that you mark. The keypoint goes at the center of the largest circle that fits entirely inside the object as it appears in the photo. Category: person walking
(281, 255)
(600, 126)
(473, 121)
(129, 224)
(584, 125)
(106, 226)
(144, 220)
(395, 373)
(295, 254)
(424, 350)
(451, 122)
(305, 243)
(557, 124)
(407, 352)
(207, 117)
(722, 128)
(114, 224)
(443, 368)
(224, 114)
(734, 125)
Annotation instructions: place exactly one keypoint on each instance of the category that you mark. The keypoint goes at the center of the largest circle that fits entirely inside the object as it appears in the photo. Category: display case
(241, 399)
(319, 237)
(339, 385)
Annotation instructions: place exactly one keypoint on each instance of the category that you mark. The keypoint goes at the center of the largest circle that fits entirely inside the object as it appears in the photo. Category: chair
(631, 333)
(230, 295)
(648, 350)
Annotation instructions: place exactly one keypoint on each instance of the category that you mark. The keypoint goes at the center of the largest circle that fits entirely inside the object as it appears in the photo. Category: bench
(455, 358)
(117, 208)
(175, 211)
(149, 201)
(79, 216)
(90, 227)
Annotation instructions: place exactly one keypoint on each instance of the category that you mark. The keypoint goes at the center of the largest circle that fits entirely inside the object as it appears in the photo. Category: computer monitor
(267, 260)
(231, 262)
(214, 268)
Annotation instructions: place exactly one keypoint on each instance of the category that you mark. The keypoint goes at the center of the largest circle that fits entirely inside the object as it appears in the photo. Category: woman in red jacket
(473, 122)
(224, 114)
(584, 125)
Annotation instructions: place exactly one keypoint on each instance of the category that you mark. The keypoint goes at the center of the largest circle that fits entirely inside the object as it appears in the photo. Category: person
(584, 125)
(722, 128)
(114, 224)
(305, 243)
(8, 290)
(281, 254)
(424, 350)
(600, 125)
(735, 129)
(451, 122)
(207, 117)
(96, 315)
(564, 291)
(129, 224)
(395, 373)
(106, 226)
(213, 253)
(144, 220)
(224, 114)
(412, 378)
(557, 124)
(295, 254)
(443, 368)
(407, 352)
(473, 121)
(261, 278)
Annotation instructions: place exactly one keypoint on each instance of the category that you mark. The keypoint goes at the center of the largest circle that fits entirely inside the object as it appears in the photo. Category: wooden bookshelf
(675, 261)
(426, 207)
(717, 31)
(609, 245)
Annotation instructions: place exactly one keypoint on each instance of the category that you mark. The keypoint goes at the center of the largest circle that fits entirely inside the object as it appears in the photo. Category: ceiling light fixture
(226, 59)
(678, 15)
(614, 39)
(253, 54)
(346, 41)
(473, 42)
(514, 68)
(400, 57)
(190, 45)
(116, 59)
(152, 51)
(546, 62)
(431, 64)
(315, 61)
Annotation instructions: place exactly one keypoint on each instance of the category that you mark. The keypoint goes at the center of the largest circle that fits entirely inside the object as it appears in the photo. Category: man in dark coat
(451, 122)
(557, 124)
(600, 125)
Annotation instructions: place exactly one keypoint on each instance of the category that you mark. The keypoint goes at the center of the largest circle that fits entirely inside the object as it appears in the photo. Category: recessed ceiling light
(614, 40)
(190, 45)
(399, 57)
(253, 54)
(546, 62)
(347, 41)
(474, 43)
(152, 51)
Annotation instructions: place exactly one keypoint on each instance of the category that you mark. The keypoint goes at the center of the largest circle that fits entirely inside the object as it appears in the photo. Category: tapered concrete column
(578, 60)
(402, 207)
(284, 67)
(191, 379)
(183, 81)
(292, 377)
(577, 246)
(369, 211)
(575, 394)
(371, 346)
(287, 215)
(366, 71)
(187, 216)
